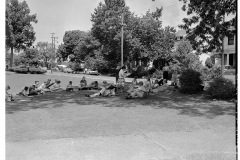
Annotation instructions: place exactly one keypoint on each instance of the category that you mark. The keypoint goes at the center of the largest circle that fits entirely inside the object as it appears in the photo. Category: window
(231, 40)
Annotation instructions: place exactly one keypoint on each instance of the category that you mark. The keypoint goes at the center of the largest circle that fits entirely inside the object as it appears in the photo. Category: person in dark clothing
(165, 71)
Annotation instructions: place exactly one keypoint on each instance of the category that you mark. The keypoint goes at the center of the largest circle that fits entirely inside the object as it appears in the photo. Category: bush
(190, 81)
(216, 71)
(206, 74)
(221, 88)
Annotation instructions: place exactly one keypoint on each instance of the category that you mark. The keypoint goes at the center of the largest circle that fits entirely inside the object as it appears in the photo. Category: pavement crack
(155, 143)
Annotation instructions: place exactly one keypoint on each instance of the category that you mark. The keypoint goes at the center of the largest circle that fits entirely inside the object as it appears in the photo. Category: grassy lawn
(197, 104)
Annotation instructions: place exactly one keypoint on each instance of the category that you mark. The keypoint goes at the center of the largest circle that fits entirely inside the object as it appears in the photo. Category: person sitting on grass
(8, 96)
(162, 88)
(49, 84)
(107, 90)
(56, 87)
(138, 92)
(93, 85)
(43, 88)
(148, 85)
(155, 84)
(83, 83)
(32, 90)
(69, 86)
(24, 91)
(133, 85)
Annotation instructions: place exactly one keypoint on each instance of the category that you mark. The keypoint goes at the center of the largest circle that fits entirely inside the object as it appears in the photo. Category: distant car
(67, 70)
(37, 70)
(91, 72)
(21, 69)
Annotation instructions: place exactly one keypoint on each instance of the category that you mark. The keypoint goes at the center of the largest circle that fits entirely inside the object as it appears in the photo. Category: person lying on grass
(56, 87)
(8, 96)
(69, 86)
(133, 85)
(25, 93)
(107, 90)
(162, 88)
(138, 92)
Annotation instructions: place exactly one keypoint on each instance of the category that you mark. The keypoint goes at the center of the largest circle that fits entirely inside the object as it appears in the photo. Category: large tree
(144, 37)
(206, 25)
(46, 52)
(19, 29)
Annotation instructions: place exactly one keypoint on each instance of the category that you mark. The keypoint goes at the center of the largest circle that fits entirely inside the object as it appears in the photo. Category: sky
(59, 16)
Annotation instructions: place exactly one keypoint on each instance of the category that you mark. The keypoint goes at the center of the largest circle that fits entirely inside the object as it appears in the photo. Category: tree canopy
(19, 30)
(206, 25)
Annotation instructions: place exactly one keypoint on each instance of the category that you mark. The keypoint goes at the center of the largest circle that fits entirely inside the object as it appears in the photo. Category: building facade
(230, 51)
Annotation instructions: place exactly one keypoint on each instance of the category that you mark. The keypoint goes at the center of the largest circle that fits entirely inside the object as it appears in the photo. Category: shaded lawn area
(189, 105)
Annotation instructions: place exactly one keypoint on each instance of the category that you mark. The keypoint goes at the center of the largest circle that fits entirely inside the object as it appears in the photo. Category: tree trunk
(11, 57)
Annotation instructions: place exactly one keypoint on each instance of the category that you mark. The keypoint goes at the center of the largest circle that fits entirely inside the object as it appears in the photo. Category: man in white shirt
(121, 80)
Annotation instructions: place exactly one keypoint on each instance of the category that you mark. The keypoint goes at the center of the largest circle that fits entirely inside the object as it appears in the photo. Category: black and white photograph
(119, 80)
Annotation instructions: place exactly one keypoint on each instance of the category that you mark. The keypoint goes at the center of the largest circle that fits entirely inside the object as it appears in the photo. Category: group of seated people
(136, 89)
(140, 90)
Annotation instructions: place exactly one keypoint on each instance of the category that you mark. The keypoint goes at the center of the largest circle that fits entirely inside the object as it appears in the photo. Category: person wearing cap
(8, 96)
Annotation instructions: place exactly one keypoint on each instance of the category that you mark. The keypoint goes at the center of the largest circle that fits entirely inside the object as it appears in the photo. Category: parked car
(67, 70)
(37, 70)
(91, 72)
(61, 67)
(21, 69)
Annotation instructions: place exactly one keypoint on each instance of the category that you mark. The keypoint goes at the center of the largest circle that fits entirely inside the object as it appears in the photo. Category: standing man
(117, 73)
(121, 78)
(165, 71)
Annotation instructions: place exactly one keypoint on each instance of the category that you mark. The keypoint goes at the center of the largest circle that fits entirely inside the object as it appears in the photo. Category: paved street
(166, 126)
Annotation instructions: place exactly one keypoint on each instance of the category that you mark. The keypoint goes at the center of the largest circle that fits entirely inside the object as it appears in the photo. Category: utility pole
(122, 43)
(222, 65)
(52, 39)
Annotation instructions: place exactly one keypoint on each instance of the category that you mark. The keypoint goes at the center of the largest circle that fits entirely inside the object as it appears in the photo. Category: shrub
(206, 74)
(221, 88)
(190, 81)
(216, 71)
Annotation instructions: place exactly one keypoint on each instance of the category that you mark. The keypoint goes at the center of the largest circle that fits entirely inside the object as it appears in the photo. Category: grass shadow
(191, 105)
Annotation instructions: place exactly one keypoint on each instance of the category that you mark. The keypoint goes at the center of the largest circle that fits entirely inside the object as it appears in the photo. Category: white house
(230, 51)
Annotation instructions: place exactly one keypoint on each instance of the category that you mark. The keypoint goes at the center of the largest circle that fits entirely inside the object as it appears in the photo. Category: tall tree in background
(45, 51)
(19, 30)
(71, 40)
(107, 28)
(206, 25)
